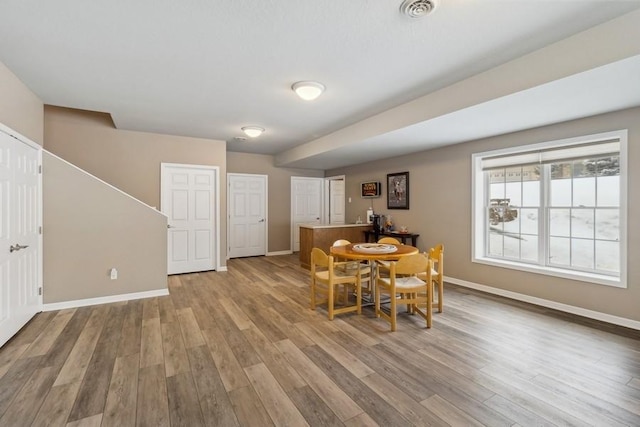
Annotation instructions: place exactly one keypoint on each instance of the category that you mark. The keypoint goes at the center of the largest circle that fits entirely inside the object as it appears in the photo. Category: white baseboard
(104, 300)
(596, 315)
(279, 253)
(222, 268)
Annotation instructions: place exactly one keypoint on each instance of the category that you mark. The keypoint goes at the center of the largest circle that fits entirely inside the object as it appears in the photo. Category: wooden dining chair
(404, 287)
(389, 241)
(326, 277)
(436, 255)
(363, 266)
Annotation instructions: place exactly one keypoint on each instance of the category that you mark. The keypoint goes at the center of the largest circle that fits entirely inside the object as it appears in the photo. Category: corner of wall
(20, 108)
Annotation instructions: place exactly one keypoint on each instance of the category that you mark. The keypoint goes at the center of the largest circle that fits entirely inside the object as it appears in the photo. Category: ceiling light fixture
(252, 131)
(417, 8)
(308, 90)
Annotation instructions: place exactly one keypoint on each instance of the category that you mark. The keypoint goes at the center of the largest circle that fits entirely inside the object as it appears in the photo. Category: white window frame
(479, 221)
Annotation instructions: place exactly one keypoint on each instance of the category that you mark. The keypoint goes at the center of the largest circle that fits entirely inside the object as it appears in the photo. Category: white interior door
(20, 265)
(336, 201)
(247, 209)
(190, 201)
(306, 205)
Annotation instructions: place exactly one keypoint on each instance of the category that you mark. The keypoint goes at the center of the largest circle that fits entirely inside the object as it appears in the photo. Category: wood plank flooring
(242, 348)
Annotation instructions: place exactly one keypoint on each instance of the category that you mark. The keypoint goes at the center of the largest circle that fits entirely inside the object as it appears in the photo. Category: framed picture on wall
(370, 189)
(398, 190)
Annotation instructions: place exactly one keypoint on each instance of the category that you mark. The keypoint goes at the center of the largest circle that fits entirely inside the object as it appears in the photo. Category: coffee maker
(376, 221)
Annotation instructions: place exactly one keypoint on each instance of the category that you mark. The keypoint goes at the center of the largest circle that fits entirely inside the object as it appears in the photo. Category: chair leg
(411, 306)
(377, 291)
(359, 296)
(394, 311)
(313, 294)
(336, 296)
(438, 303)
(429, 306)
(330, 301)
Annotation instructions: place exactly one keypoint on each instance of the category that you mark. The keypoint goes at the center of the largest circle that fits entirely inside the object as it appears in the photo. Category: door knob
(170, 226)
(261, 220)
(17, 247)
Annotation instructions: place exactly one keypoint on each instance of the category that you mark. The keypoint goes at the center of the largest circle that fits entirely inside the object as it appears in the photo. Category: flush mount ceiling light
(252, 131)
(308, 90)
(417, 8)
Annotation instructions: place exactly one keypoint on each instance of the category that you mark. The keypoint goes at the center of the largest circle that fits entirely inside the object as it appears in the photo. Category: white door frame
(216, 208)
(39, 245)
(266, 209)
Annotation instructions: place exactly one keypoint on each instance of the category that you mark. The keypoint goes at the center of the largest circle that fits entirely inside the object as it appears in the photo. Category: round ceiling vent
(417, 8)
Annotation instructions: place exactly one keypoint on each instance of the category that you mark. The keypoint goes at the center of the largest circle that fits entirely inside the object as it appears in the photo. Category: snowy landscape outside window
(557, 208)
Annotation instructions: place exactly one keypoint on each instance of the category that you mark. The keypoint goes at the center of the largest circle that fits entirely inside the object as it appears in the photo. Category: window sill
(598, 279)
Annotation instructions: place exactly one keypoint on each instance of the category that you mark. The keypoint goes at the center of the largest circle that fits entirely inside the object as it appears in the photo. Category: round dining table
(347, 252)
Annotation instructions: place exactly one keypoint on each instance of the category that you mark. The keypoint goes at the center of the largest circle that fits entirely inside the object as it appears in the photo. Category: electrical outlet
(114, 274)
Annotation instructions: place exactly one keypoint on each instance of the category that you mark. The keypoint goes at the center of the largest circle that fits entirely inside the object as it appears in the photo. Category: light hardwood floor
(243, 348)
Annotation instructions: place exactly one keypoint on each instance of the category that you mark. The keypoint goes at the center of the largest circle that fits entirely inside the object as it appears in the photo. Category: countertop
(316, 225)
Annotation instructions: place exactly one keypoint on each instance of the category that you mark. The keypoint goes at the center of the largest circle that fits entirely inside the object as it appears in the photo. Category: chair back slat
(319, 258)
(410, 265)
(389, 241)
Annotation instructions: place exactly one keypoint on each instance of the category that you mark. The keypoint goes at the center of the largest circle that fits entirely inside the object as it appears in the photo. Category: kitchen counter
(323, 235)
(316, 225)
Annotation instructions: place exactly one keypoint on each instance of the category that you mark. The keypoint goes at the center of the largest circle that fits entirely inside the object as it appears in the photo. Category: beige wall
(279, 193)
(20, 109)
(90, 228)
(440, 202)
(130, 160)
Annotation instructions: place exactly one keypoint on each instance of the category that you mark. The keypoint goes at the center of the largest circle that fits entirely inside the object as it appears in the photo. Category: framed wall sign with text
(370, 189)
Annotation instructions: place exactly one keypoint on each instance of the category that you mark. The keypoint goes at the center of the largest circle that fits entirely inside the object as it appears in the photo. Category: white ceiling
(207, 68)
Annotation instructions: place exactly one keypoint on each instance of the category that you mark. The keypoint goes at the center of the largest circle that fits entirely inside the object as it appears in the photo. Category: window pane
(582, 253)
(510, 220)
(609, 191)
(559, 251)
(583, 168)
(529, 221)
(495, 244)
(496, 191)
(560, 170)
(608, 256)
(584, 192)
(514, 193)
(608, 224)
(529, 248)
(531, 173)
(560, 192)
(511, 246)
(496, 176)
(560, 222)
(531, 193)
(608, 166)
(513, 174)
(500, 212)
(582, 223)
